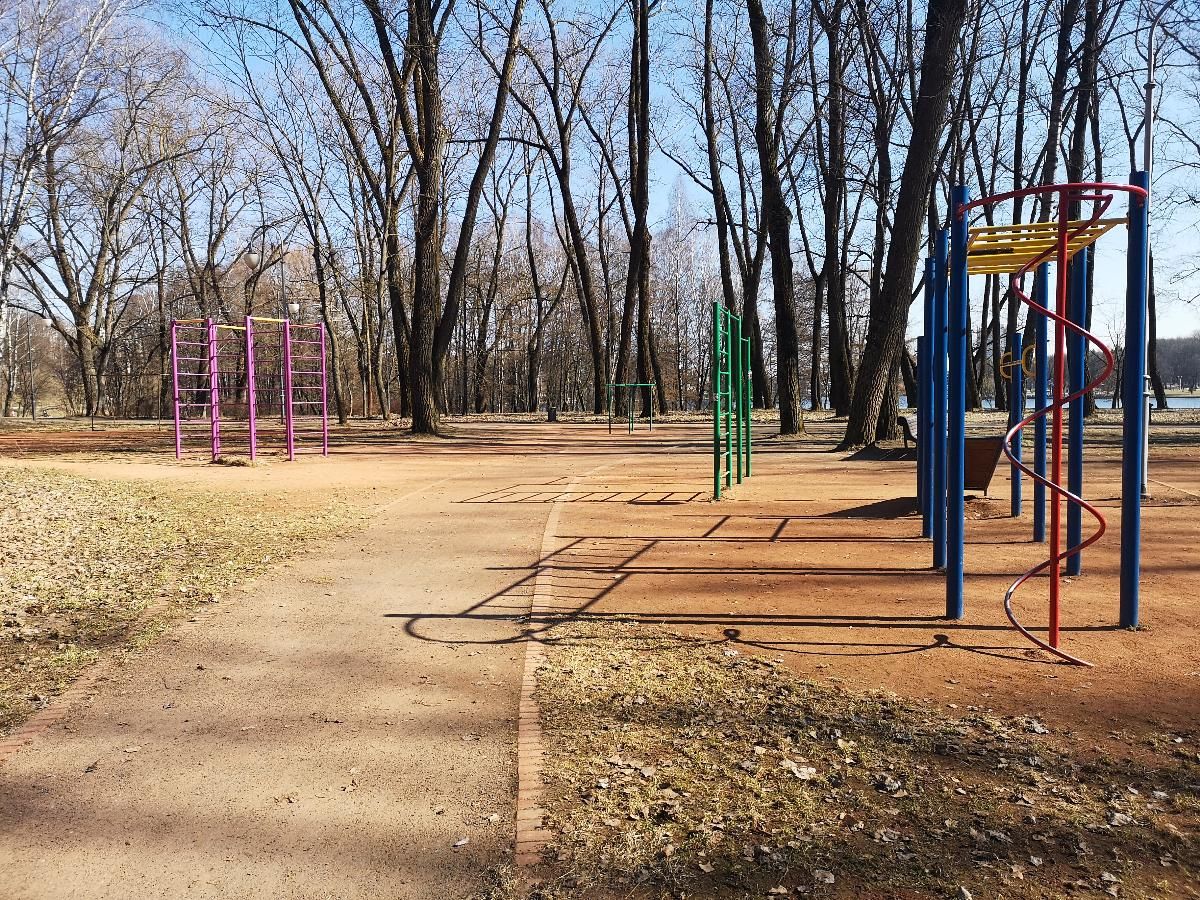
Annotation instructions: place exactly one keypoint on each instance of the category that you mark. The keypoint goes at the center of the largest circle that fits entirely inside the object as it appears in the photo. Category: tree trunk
(888, 321)
(1156, 382)
(887, 428)
(777, 219)
(999, 382)
(908, 374)
(426, 138)
(841, 373)
(462, 250)
(816, 393)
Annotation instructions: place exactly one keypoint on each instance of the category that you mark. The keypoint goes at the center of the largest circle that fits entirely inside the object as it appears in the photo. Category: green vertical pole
(748, 393)
(716, 399)
(735, 347)
(610, 402)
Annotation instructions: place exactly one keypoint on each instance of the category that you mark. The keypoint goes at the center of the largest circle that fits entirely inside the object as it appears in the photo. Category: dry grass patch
(679, 768)
(90, 566)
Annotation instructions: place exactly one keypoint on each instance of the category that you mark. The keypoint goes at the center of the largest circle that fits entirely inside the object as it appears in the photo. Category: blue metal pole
(937, 360)
(1041, 394)
(1076, 356)
(922, 444)
(956, 335)
(925, 402)
(1134, 425)
(1016, 412)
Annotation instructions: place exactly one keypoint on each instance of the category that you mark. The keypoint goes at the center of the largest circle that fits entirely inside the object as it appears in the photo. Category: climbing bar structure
(1060, 384)
(732, 400)
(263, 380)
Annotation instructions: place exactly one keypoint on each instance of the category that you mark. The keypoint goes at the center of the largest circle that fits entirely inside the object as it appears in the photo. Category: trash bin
(551, 413)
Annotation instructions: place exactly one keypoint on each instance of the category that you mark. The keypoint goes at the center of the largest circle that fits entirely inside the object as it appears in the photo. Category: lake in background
(1189, 402)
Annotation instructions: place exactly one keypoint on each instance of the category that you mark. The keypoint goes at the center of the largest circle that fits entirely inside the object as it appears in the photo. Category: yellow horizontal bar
(998, 249)
(1044, 226)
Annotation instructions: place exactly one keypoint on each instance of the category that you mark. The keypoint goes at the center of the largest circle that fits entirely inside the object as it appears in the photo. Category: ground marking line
(531, 833)
(1173, 487)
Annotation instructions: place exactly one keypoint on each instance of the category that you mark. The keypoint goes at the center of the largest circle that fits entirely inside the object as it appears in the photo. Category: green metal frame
(629, 384)
(732, 400)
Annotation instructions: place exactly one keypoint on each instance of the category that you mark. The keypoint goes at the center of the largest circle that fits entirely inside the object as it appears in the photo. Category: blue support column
(1076, 358)
(1016, 412)
(922, 445)
(937, 360)
(1134, 409)
(1041, 397)
(956, 336)
(927, 393)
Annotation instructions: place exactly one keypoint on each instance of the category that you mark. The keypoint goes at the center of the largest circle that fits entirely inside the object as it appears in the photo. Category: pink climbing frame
(250, 383)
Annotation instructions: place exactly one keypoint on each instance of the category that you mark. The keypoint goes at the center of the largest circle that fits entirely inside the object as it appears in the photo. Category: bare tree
(54, 57)
(885, 335)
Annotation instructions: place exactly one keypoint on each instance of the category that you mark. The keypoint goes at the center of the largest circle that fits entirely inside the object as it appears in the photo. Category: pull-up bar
(633, 385)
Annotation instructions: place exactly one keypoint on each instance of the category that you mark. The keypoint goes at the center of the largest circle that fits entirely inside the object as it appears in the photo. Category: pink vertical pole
(175, 387)
(214, 398)
(250, 398)
(289, 424)
(324, 395)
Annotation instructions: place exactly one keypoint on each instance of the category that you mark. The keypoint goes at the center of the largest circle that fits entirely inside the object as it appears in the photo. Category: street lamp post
(255, 258)
(288, 309)
(1148, 167)
(32, 387)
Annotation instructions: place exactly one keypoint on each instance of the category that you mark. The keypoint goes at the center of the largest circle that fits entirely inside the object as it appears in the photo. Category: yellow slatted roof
(1003, 249)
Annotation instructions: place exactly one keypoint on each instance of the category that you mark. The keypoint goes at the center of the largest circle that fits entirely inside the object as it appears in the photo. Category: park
(546, 450)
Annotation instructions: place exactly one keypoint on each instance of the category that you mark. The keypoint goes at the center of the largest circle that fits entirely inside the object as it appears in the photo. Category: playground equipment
(259, 372)
(1017, 251)
(732, 401)
(631, 386)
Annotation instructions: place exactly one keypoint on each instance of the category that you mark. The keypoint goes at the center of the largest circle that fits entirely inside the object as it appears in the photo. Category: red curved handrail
(1100, 195)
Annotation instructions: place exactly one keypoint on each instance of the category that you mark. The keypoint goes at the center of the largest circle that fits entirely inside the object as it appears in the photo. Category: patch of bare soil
(92, 566)
(683, 767)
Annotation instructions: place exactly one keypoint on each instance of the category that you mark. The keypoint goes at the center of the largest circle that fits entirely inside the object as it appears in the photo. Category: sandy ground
(818, 560)
(335, 728)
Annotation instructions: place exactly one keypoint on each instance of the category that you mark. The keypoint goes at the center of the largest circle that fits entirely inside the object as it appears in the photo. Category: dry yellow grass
(89, 567)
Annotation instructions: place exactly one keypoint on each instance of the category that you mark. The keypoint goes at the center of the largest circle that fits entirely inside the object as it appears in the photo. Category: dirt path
(305, 739)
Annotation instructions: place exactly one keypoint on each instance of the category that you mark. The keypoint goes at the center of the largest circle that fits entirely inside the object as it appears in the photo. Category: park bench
(982, 456)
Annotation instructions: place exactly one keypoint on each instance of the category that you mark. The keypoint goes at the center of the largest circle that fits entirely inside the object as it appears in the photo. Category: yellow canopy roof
(1003, 249)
